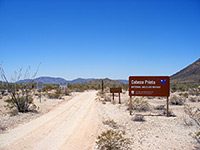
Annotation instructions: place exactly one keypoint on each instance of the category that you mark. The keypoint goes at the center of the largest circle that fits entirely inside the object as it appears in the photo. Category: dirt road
(72, 126)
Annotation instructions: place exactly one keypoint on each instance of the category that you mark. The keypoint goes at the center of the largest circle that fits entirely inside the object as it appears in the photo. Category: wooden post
(119, 99)
(167, 107)
(130, 105)
(102, 85)
(113, 96)
(40, 96)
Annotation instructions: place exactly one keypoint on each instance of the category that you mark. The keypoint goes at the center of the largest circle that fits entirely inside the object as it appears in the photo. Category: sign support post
(167, 106)
(130, 105)
(119, 99)
(113, 96)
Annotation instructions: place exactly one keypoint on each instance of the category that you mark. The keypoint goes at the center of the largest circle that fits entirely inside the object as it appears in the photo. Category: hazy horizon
(99, 39)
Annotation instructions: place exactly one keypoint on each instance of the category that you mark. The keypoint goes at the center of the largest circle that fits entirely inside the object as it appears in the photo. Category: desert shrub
(194, 92)
(160, 107)
(112, 140)
(66, 92)
(193, 99)
(22, 103)
(20, 94)
(194, 114)
(111, 123)
(185, 94)
(178, 87)
(197, 136)
(107, 99)
(55, 95)
(101, 94)
(170, 113)
(139, 104)
(176, 100)
(139, 118)
(49, 87)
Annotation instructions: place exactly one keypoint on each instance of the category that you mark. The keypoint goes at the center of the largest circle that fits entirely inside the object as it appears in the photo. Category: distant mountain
(124, 81)
(52, 80)
(79, 80)
(106, 81)
(190, 75)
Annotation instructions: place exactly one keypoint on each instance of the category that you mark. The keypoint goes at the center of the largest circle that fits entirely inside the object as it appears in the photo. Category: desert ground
(74, 122)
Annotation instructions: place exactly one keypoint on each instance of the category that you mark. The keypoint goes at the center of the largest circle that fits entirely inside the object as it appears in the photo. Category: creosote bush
(139, 104)
(194, 114)
(160, 107)
(139, 118)
(194, 99)
(56, 95)
(176, 100)
(112, 140)
(111, 123)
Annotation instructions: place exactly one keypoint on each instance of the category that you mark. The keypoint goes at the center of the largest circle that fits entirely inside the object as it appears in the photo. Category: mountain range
(190, 75)
(52, 80)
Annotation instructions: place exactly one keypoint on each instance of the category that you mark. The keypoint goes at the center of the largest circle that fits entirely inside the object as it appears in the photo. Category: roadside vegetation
(20, 94)
(194, 114)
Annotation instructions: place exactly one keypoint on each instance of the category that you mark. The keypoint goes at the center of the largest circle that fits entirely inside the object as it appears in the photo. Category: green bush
(112, 140)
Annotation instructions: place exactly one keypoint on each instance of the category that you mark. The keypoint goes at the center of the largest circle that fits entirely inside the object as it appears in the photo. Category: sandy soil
(156, 131)
(72, 125)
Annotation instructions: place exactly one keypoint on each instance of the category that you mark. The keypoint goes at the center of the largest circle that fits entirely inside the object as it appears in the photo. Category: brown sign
(115, 90)
(149, 86)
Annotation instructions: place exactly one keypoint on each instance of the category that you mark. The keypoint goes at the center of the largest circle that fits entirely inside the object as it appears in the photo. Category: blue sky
(99, 38)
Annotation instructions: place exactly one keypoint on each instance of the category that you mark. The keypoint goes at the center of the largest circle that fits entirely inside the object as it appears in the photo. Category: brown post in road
(119, 99)
(113, 96)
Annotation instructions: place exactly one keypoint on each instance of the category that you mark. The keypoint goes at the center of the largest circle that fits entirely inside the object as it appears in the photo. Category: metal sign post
(149, 86)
